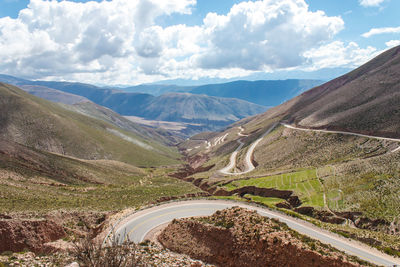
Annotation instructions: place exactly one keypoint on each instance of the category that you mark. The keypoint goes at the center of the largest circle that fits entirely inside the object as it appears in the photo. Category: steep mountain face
(37, 123)
(266, 93)
(366, 100)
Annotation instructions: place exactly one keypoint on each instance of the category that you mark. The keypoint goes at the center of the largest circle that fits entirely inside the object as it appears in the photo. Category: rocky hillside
(238, 237)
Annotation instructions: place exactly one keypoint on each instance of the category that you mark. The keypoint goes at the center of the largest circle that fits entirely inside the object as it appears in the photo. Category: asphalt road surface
(341, 132)
(136, 226)
(248, 163)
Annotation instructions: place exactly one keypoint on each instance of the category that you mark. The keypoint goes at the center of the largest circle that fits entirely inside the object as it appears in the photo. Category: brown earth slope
(366, 100)
(238, 237)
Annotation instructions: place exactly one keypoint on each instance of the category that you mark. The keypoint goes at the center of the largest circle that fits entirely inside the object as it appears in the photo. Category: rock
(73, 264)
(351, 215)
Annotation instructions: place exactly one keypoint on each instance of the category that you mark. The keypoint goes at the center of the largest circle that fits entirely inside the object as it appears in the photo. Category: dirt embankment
(238, 237)
(18, 235)
(47, 233)
(291, 200)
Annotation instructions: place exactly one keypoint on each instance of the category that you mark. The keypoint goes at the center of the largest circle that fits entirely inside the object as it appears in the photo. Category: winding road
(342, 132)
(227, 170)
(247, 161)
(138, 225)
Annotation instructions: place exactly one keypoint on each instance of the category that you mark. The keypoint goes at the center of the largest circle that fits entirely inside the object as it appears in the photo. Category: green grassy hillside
(34, 180)
(44, 125)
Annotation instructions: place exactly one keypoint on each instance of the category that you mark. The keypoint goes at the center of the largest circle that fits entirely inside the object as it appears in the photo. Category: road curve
(247, 161)
(342, 132)
(137, 225)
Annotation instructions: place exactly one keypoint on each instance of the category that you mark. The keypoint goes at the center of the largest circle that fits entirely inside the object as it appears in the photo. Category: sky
(121, 42)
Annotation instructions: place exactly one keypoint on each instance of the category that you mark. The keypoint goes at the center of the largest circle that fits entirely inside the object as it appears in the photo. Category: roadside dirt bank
(238, 237)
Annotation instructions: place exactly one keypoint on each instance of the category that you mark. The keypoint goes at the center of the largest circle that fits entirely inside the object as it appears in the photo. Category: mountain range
(200, 111)
(267, 93)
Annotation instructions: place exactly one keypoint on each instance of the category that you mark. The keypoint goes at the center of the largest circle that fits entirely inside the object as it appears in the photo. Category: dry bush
(116, 254)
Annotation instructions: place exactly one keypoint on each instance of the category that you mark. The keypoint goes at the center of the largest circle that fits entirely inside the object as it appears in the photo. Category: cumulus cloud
(338, 54)
(265, 35)
(119, 41)
(376, 31)
(371, 3)
(66, 37)
(150, 43)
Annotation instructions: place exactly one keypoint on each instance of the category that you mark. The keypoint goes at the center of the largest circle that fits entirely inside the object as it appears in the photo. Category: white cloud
(120, 42)
(392, 43)
(51, 38)
(375, 31)
(265, 35)
(371, 3)
(338, 54)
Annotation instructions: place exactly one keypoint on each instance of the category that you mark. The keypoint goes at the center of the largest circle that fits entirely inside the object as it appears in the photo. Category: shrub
(92, 254)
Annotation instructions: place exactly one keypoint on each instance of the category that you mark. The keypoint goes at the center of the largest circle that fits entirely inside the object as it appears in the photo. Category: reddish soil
(17, 235)
(38, 234)
(238, 237)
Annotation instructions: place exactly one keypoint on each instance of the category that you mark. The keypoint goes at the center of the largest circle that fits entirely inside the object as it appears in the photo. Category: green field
(304, 184)
(268, 201)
